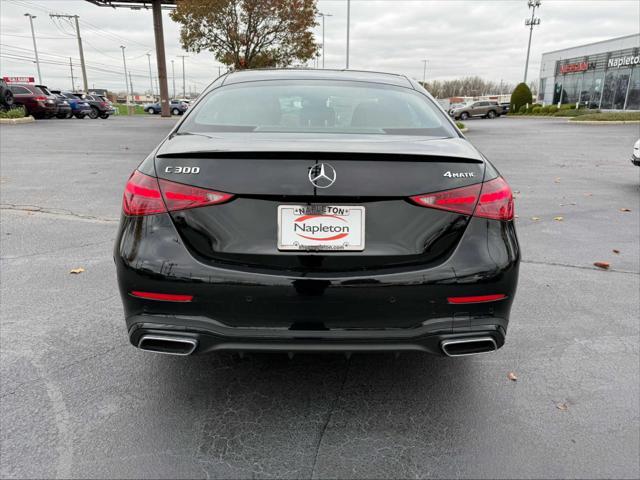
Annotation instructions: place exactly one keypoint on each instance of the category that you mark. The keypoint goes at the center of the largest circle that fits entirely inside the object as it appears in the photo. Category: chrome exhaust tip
(168, 345)
(468, 346)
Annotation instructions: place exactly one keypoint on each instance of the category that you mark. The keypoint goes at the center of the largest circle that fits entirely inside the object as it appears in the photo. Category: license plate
(320, 227)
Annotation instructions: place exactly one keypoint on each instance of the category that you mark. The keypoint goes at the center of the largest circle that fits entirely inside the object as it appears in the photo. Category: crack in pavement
(62, 212)
(581, 267)
(329, 416)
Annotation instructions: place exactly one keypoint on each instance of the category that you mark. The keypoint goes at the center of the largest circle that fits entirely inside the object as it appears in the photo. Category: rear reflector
(144, 195)
(477, 299)
(166, 297)
(492, 199)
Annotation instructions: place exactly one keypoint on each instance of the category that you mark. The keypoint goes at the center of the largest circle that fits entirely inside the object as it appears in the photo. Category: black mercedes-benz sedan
(316, 210)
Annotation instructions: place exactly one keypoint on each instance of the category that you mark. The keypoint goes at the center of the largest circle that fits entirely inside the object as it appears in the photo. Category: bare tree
(467, 87)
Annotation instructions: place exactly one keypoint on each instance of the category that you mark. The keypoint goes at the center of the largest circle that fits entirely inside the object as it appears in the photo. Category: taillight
(492, 199)
(40, 99)
(145, 195)
(103, 104)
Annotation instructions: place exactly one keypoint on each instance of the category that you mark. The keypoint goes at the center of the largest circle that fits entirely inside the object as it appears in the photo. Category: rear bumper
(209, 336)
(243, 308)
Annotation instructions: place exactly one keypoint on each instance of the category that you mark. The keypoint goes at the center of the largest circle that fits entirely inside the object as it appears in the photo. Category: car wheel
(79, 116)
(175, 111)
(69, 115)
(94, 113)
(104, 116)
(150, 111)
(491, 114)
(464, 116)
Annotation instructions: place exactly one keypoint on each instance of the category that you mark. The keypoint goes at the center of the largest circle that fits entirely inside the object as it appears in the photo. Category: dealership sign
(19, 79)
(576, 67)
(623, 61)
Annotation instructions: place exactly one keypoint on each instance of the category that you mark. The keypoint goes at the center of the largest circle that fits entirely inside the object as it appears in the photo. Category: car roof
(240, 76)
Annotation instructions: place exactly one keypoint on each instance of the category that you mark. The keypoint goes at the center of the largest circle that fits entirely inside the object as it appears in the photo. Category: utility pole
(184, 93)
(124, 60)
(73, 81)
(173, 76)
(35, 48)
(82, 65)
(323, 15)
(348, 22)
(424, 73)
(531, 22)
(131, 86)
(150, 75)
(161, 59)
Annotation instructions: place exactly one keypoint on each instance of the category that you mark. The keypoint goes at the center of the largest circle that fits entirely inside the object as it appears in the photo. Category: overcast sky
(458, 38)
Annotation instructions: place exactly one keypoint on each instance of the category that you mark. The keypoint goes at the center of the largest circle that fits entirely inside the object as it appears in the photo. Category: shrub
(520, 97)
(553, 108)
(567, 106)
(15, 112)
(610, 117)
(536, 110)
(460, 125)
(522, 110)
(544, 110)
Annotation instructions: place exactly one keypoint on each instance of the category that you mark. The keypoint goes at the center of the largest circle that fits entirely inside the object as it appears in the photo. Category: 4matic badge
(458, 174)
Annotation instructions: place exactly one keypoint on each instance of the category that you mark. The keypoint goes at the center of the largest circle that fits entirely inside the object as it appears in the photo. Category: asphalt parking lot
(78, 401)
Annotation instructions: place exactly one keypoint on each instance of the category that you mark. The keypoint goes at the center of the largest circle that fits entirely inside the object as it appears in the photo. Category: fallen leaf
(535, 219)
(615, 250)
(516, 216)
(625, 209)
(588, 194)
(565, 204)
(562, 406)
(558, 219)
(512, 376)
(557, 180)
(603, 265)
(77, 270)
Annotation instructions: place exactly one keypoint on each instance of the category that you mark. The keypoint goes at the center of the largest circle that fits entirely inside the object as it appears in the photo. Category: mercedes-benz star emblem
(322, 175)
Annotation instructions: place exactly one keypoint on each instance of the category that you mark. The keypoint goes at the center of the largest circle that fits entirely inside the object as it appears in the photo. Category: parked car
(505, 106)
(100, 106)
(635, 156)
(34, 100)
(6, 96)
(483, 108)
(79, 108)
(176, 107)
(283, 231)
(64, 109)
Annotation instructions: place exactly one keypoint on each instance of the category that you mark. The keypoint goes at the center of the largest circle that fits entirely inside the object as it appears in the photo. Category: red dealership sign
(576, 67)
(19, 79)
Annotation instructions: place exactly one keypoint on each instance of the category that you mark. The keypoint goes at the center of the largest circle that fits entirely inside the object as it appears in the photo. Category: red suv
(34, 100)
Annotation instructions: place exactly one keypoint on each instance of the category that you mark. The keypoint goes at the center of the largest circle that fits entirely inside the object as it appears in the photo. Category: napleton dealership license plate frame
(315, 227)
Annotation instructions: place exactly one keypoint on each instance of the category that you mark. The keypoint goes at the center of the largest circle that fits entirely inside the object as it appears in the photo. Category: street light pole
(348, 23)
(35, 48)
(173, 78)
(424, 72)
(531, 22)
(184, 94)
(323, 15)
(126, 89)
(150, 75)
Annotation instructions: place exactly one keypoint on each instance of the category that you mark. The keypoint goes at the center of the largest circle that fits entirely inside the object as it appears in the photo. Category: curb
(464, 130)
(604, 122)
(17, 121)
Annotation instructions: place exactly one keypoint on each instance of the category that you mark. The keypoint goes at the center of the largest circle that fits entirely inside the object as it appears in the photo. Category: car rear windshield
(318, 106)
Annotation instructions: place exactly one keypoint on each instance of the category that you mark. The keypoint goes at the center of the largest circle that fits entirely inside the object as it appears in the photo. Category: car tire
(94, 113)
(464, 116)
(150, 111)
(79, 116)
(175, 111)
(69, 115)
(104, 116)
(491, 114)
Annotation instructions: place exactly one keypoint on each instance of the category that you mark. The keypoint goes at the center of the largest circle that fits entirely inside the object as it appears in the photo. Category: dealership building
(604, 75)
